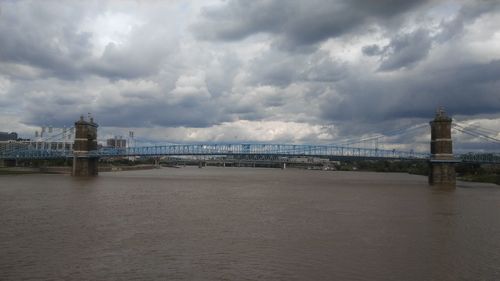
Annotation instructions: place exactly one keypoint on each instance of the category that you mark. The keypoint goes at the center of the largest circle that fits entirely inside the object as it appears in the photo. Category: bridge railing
(486, 158)
(36, 154)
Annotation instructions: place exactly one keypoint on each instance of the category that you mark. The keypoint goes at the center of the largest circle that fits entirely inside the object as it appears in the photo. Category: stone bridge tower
(442, 163)
(85, 141)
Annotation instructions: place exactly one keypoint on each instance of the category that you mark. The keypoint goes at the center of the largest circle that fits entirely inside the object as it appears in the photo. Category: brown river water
(246, 224)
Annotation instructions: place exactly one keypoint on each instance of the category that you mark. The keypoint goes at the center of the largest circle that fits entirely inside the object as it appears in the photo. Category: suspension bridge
(56, 147)
(85, 148)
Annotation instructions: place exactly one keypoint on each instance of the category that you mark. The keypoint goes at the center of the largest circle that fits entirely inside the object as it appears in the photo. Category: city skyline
(268, 71)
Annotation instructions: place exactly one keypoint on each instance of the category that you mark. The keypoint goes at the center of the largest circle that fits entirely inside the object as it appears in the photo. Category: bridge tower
(85, 141)
(442, 163)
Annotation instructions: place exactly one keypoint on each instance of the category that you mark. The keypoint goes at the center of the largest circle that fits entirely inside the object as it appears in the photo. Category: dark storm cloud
(296, 22)
(405, 50)
(321, 68)
(468, 13)
(128, 109)
(131, 116)
(466, 89)
(221, 73)
(47, 36)
(372, 50)
(159, 114)
(127, 62)
(278, 68)
(275, 68)
(44, 36)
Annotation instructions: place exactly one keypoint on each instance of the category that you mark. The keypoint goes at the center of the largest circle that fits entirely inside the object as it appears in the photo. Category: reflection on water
(246, 224)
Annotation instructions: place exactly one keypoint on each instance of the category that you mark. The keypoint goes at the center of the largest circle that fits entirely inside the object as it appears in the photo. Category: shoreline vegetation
(465, 172)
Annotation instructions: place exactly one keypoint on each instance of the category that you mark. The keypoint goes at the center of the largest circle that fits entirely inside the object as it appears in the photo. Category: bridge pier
(442, 164)
(84, 164)
(157, 162)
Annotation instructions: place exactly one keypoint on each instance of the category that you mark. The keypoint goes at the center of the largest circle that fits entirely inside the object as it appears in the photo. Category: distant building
(12, 145)
(48, 138)
(4, 136)
(53, 138)
(116, 142)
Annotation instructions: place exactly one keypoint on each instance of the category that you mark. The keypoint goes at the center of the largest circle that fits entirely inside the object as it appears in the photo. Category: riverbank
(67, 170)
(18, 170)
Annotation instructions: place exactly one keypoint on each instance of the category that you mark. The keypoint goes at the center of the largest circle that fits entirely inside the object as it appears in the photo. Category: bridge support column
(442, 163)
(84, 164)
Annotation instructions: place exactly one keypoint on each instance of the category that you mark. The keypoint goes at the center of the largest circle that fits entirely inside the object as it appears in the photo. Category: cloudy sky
(292, 71)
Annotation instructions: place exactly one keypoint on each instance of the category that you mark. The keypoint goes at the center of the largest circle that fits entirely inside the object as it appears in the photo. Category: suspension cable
(399, 131)
(475, 134)
(476, 128)
(53, 137)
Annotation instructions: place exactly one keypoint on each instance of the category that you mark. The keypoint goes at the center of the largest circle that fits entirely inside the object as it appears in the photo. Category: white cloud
(237, 131)
(189, 88)
(109, 27)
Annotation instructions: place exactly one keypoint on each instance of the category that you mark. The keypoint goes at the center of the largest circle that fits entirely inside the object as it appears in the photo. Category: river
(246, 224)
